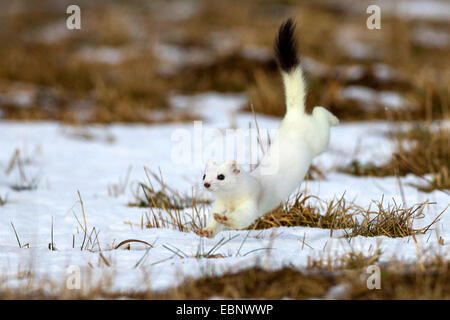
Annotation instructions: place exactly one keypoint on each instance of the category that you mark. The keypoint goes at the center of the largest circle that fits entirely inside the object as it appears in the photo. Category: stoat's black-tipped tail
(289, 62)
(286, 47)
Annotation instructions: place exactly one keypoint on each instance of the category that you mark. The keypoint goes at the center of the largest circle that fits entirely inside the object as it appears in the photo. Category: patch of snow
(108, 55)
(257, 53)
(314, 67)
(19, 94)
(370, 98)
(391, 99)
(349, 72)
(21, 98)
(50, 33)
(358, 50)
(431, 38)
(224, 43)
(364, 95)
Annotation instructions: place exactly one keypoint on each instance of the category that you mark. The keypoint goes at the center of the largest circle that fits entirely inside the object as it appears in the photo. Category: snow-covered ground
(65, 163)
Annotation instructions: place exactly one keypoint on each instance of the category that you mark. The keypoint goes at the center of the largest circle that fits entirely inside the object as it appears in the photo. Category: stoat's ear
(235, 167)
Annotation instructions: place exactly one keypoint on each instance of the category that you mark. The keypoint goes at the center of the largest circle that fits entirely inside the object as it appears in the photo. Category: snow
(67, 163)
(384, 72)
(176, 57)
(431, 38)
(437, 10)
(216, 108)
(257, 53)
(50, 33)
(19, 94)
(370, 98)
(107, 55)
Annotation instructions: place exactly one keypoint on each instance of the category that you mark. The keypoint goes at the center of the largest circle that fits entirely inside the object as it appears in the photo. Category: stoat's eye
(220, 177)
(204, 176)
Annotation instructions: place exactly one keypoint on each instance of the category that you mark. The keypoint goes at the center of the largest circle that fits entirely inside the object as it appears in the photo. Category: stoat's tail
(289, 63)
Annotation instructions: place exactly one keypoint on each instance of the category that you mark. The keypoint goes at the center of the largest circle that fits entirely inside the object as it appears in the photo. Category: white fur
(245, 197)
(236, 196)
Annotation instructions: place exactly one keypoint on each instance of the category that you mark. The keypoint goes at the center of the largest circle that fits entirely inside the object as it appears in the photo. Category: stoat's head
(221, 178)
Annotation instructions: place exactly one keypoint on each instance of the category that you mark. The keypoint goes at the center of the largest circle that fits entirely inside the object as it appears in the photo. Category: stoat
(242, 197)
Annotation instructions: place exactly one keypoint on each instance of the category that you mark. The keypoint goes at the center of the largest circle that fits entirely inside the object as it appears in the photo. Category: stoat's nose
(207, 185)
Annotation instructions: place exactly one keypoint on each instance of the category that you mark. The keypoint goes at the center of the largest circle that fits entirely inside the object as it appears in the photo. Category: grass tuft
(25, 183)
(392, 221)
(420, 151)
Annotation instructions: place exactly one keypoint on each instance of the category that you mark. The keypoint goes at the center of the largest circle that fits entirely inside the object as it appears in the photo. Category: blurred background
(130, 58)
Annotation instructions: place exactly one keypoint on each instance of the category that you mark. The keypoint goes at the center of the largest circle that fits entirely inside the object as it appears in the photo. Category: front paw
(222, 219)
(205, 233)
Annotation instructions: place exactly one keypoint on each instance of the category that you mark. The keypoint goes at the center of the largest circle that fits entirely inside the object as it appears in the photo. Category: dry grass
(252, 283)
(421, 150)
(188, 213)
(392, 221)
(68, 87)
(3, 200)
(428, 279)
(167, 207)
(257, 283)
(232, 73)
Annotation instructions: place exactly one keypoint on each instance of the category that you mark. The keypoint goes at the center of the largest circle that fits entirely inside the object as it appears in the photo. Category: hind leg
(319, 136)
(332, 119)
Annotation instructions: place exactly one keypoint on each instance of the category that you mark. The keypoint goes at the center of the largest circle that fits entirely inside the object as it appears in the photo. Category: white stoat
(242, 197)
